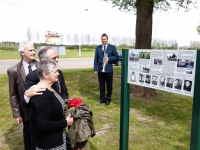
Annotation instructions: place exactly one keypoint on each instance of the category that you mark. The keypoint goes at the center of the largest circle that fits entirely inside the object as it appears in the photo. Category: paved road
(69, 63)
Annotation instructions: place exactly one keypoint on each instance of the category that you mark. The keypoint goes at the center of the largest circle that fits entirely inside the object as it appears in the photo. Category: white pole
(79, 50)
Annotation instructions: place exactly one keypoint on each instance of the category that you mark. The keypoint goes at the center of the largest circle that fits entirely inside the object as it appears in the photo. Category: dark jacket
(83, 126)
(32, 79)
(98, 58)
(16, 76)
(47, 120)
(169, 85)
(178, 86)
(187, 88)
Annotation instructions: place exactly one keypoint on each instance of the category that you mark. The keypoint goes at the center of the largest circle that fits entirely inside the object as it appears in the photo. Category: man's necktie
(104, 48)
(29, 68)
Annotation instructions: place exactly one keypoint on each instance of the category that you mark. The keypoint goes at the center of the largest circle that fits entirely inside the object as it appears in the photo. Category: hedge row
(8, 48)
(83, 47)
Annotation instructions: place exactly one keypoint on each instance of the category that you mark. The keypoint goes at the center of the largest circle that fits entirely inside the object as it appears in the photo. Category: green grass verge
(161, 123)
(8, 54)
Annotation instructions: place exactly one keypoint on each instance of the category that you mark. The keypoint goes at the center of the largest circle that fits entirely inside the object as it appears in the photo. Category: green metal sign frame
(195, 130)
(125, 102)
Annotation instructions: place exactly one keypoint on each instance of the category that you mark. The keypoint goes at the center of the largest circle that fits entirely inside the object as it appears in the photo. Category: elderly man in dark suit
(17, 75)
(32, 88)
(105, 54)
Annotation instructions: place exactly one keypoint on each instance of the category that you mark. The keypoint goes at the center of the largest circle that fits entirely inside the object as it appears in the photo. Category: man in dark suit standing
(105, 54)
(17, 75)
(32, 88)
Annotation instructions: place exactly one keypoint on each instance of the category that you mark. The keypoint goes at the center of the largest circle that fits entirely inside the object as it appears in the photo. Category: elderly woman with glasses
(47, 111)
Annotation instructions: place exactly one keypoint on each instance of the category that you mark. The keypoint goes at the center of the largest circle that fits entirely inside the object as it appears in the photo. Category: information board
(168, 70)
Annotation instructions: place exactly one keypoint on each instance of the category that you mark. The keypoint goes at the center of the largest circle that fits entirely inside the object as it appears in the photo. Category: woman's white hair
(45, 66)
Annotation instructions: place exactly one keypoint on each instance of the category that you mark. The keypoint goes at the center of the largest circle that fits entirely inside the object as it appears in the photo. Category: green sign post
(195, 128)
(125, 100)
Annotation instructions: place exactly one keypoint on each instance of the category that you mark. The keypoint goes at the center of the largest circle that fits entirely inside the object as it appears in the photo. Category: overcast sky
(69, 16)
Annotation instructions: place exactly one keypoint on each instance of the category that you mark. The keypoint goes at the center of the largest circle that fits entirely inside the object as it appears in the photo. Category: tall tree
(29, 34)
(68, 37)
(62, 37)
(198, 29)
(75, 38)
(144, 19)
(38, 36)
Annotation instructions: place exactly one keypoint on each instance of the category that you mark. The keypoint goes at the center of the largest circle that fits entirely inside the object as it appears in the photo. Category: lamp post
(79, 47)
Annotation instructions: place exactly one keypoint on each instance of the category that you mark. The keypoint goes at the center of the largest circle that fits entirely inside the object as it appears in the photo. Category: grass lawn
(161, 123)
(8, 54)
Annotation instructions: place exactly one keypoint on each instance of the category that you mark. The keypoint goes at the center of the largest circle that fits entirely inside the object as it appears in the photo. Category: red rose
(75, 102)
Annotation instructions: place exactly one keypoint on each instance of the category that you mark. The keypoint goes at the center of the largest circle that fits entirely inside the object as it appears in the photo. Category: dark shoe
(107, 103)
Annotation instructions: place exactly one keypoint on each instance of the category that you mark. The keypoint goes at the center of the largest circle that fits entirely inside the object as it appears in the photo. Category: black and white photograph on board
(141, 77)
(170, 82)
(148, 78)
(154, 80)
(177, 84)
(162, 81)
(187, 85)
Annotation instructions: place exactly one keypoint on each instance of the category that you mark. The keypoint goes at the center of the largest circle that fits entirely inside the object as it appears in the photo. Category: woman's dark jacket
(47, 120)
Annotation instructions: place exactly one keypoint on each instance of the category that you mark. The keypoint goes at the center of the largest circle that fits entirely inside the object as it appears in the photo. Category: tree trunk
(143, 39)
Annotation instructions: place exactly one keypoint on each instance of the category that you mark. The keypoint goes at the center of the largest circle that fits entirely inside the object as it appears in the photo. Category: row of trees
(92, 39)
(83, 39)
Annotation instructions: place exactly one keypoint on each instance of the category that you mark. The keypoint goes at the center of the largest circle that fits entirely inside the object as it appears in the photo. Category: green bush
(8, 48)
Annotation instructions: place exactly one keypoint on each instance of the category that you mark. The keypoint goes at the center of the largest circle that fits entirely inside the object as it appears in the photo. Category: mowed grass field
(159, 123)
(8, 54)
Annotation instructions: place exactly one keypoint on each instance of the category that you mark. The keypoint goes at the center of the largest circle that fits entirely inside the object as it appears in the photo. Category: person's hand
(106, 60)
(35, 90)
(70, 120)
(19, 120)
(95, 72)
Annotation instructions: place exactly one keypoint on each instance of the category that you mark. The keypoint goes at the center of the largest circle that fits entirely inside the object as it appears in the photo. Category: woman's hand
(70, 120)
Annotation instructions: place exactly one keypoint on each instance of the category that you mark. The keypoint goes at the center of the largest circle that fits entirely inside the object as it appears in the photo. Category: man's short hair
(104, 35)
(22, 46)
(177, 80)
(43, 52)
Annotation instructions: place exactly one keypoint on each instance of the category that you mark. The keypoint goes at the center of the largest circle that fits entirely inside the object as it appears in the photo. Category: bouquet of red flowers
(75, 102)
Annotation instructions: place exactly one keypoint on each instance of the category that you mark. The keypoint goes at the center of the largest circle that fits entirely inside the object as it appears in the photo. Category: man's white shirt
(33, 67)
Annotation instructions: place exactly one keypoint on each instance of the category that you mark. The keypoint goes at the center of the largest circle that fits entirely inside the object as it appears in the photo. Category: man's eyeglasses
(54, 58)
(31, 50)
